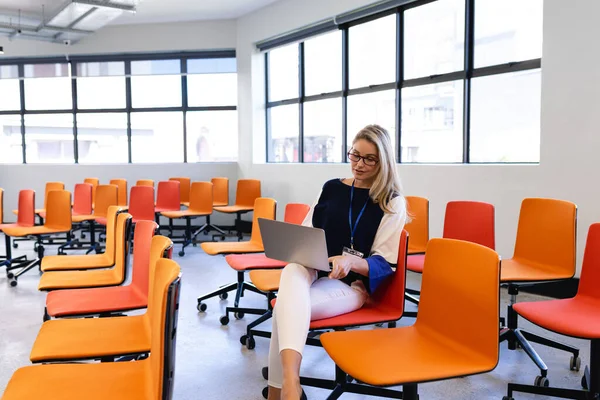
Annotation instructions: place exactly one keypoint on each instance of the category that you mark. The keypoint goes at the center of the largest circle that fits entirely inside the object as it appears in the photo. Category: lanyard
(353, 228)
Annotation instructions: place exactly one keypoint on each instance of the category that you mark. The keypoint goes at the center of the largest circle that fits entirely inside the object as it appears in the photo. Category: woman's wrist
(360, 266)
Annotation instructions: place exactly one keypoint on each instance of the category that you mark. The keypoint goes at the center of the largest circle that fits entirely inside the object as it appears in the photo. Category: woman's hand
(342, 265)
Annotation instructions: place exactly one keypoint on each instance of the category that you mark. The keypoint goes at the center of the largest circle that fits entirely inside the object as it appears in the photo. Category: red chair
(141, 203)
(80, 213)
(25, 219)
(577, 317)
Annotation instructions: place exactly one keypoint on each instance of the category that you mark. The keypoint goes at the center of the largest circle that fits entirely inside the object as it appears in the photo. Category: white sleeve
(309, 217)
(387, 238)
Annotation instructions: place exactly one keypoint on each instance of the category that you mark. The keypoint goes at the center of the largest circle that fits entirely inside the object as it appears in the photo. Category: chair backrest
(266, 208)
(295, 213)
(122, 235)
(220, 191)
(111, 234)
(106, 197)
(472, 221)
(590, 269)
(26, 215)
(121, 185)
(445, 289)
(418, 227)
(141, 203)
(248, 190)
(163, 305)
(82, 199)
(145, 182)
(143, 278)
(94, 182)
(168, 196)
(142, 241)
(546, 234)
(58, 211)
(201, 197)
(184, 188)
(391, 291)
(52, 186)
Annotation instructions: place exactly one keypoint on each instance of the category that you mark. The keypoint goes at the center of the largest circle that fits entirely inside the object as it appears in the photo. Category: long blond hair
(387, 184)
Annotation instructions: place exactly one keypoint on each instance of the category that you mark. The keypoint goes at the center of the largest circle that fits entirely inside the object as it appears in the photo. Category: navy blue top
(331, 214)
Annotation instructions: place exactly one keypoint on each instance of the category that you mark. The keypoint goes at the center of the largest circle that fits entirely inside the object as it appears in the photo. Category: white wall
(202, 35)
(570, 140)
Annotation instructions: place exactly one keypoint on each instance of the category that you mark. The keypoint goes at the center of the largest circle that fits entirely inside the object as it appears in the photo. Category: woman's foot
(291, 390)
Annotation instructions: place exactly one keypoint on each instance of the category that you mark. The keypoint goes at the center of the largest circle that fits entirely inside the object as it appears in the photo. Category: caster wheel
(181, 253)
(223, 296)
(541, 381)
(15, 245)
(243, 339)
(13, 283)
(265, 392)
(224, 320)
(238, 315)
(584, 383)
(575, 363)
(265, 373)
(201, 307)
(10, 275)
(250, 343)
(507, 398)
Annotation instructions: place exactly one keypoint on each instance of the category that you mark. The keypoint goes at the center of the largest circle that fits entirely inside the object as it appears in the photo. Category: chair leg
(411, 298)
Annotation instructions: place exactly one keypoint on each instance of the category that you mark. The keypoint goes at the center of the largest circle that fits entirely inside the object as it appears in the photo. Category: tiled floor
(211, 363)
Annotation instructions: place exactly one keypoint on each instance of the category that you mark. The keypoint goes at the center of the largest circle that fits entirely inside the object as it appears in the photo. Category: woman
(362, 218)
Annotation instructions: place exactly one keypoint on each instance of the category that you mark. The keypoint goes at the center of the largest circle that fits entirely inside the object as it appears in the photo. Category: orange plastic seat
(148, 379)
(50, 186)
(94, 261)
(82, 202)
(266, 280)
(106, 197)
(185, 185)
(141, 203)
(25, 219)
(248, 190)
(168, 196)
(54, 280)
(435, 347)
(418, 228)
(145, 182)
(121, 185)
(220, 191)
(94, 182)
(114, 299)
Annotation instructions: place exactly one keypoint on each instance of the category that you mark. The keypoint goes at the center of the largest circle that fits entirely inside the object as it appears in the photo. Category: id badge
(351, 252)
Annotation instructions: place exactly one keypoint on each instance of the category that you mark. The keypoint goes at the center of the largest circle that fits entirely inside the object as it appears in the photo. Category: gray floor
(211, 363)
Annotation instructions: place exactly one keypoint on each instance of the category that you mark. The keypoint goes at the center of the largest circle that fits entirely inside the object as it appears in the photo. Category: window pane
(101, 85)
(157, 137)
(156, 83)
(284, 133)
(283, 73)
(156, 67)
(212, 136)
(212, 82)
(212, 66)
(9, 88)
(49, 138)
(101, 69)
(102, 138)
(434, 36)
(505, 117)
(506, 31)
(372, 48)
(323, 64)
(323, 131)
(432, 123)
(372, 108)
(48, 87)
(11, 149)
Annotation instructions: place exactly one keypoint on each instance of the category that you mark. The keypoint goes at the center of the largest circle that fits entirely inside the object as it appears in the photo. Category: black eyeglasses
(370, 161)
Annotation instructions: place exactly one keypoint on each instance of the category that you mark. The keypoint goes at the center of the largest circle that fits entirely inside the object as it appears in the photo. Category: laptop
(294, 243)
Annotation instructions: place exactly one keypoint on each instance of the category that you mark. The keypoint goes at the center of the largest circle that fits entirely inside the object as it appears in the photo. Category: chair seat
(233, 209)
(415, 263)
(165, 209)
(88, 338)
(577, 317)
(2, 226)
(183, 213)
(66, 263)
(266, 280)
(98, 381)
(243, 262)
(79, 279)
(20, 231)
(214, 248)
(380, 357)
(219, 204)
(517, 271)
(62, 303)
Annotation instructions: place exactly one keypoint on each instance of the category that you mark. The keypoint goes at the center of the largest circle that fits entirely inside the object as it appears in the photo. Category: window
(212, 136)
(283, 73)
(10, 99)
(157, 137)
(372, 108)
(156, 83)
(11, 148)
(284, 134)
(48, 87)
(101, 85)
(49, 138)
(212, 82)
(323, 131)
(323, 63)
(102, 138)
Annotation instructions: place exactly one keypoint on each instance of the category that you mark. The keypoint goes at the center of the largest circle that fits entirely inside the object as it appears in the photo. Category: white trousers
(303, 298)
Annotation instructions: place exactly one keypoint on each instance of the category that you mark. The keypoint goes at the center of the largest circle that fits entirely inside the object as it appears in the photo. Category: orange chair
(145, 182)
(185, 185)
(113, 300)
(418, 228)
(50, 186)
(436, 347)
(55, 280)
(248, 190)
(544, 252)
(220, 191)
(25, 220)
(121, 185)
(577, 317)
(294, 214)
(200, 205)
(263, 208)
(106, 197)
(94, 182)
(58, 220)
(148, 379)
(81, 212)
(141, 203)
